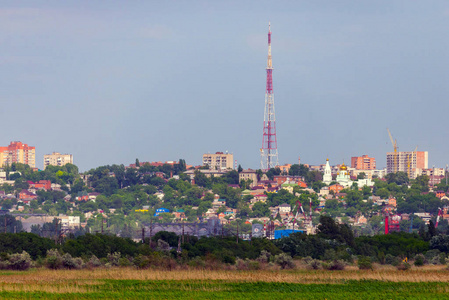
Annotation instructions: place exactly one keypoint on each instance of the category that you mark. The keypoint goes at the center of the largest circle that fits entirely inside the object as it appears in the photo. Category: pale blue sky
(112, 81)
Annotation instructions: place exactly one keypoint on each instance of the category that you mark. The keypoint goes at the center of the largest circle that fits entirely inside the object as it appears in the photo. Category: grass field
(126, 283)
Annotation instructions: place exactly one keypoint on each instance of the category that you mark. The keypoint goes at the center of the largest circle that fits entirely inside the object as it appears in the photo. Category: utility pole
(183, 233)
(237, 232)
(151, 231)
(143, 234)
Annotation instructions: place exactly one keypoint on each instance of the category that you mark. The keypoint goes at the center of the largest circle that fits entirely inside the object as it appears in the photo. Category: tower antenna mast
(269, 151)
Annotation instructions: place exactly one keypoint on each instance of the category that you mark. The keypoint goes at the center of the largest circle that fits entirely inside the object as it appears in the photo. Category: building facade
(407, 162)
(363, 162)
(218, 160)
(327, 177)
(57, 159)
(17, 152)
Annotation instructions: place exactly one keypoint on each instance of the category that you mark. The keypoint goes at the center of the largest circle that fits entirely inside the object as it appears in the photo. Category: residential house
(249, 174)
(336, 188)
(40, 185)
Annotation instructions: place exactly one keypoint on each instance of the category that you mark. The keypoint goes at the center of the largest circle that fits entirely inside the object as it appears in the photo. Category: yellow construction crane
(395, 158)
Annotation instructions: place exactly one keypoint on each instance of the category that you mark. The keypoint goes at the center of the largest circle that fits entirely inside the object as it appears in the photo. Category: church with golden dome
(343, 176)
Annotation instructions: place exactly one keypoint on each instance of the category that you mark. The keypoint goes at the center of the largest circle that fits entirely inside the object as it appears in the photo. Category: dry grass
(79, 280)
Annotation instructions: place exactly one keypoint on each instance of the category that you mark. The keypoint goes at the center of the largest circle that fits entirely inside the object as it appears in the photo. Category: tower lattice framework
(269, 151)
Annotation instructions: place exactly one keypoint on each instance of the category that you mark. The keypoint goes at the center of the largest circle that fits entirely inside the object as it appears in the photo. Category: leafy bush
(403, 266)
(94, 262)
(284, 260)
(314, 264)
(124, 262)
(197, 262)
(365, 263)
(53, 259)
(69, 262)
(264, 257)
(431, 254)
(20, 261)
(141, 261)
(246, 264)
(419, 260)
(163, 245)
(114, 259)
(336, 265)
(392, 260)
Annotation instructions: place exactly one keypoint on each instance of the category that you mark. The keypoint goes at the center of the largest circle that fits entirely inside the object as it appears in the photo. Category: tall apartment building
(218, 161)
(57, 159)
(17, 152)
(407, 162)
(363, 162)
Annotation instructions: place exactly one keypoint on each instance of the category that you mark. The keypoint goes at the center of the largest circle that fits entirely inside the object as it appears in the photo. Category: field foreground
(127, 283)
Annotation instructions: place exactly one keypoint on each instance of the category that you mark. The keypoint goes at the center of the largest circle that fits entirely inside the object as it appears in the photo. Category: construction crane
(395, 146)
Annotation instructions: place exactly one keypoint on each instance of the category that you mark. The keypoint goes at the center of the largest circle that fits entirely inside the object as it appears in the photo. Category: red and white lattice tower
(269, 151)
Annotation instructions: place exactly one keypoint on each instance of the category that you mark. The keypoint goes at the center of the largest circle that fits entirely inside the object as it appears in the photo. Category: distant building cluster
(18, 152)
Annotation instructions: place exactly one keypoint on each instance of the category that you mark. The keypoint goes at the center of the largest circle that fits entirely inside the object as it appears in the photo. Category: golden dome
(343, 167)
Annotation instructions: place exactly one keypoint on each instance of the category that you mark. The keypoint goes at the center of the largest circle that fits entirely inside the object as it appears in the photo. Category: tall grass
(88, 277)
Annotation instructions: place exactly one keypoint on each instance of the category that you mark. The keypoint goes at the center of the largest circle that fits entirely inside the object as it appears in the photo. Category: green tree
(202, 180)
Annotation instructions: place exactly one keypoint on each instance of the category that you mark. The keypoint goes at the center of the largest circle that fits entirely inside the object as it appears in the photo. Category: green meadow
(200, 284)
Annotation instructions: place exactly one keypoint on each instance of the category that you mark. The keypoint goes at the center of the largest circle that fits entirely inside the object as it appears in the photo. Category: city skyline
(159, 82)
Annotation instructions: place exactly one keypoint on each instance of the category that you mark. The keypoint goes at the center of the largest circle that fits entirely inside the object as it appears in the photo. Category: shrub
(94, 262)
(54, 259)
(392, 260)
(4, 264)
(141, 261)
(241, 264)
(284, 260)
(365, 263)
(336, 265)
(329, 255)
(403, 266)
(314, 264)
(162, 246)
(264, 256)
(20, 261)
(431, 254)
(114, 258)
(124, 262)
(419, 260)
(69, 262)
(246, 264)
(197, 262)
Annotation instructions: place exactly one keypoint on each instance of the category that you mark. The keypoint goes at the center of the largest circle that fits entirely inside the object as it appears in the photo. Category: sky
(112, 81)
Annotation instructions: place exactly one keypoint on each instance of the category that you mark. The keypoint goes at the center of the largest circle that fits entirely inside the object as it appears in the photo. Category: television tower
(269, 151)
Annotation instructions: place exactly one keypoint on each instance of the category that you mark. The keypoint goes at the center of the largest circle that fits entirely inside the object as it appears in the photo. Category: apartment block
(57, 159)
(17, 152)
(363, 162)
(218, 161)
(407, 162)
